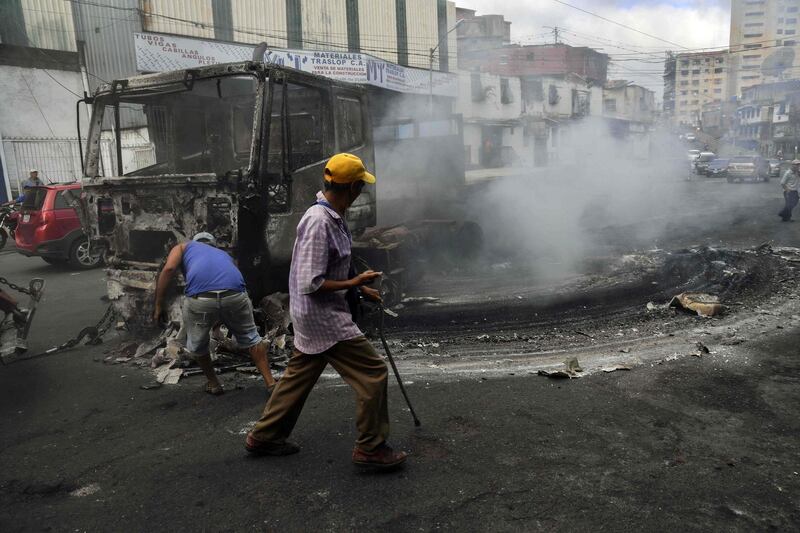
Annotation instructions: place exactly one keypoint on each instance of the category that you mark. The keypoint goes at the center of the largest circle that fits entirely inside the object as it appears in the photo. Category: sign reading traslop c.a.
(159, 53)
(365, 69)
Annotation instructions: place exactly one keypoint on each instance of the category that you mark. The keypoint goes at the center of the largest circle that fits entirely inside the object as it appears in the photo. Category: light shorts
(202, 314)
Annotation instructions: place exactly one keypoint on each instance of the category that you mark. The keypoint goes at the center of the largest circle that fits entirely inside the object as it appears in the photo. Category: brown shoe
(382, 457)
(269, 448)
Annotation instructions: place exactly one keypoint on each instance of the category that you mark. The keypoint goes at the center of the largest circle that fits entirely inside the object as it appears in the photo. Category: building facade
(538, 60)
(670, 66)
(398, 31)
(763, 42)
(700, 79)
(767, 119)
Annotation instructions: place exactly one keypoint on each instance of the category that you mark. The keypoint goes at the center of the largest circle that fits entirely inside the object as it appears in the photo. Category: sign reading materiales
(159, 53)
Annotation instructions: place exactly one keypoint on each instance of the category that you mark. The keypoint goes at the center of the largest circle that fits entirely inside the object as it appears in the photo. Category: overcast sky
(691, 24)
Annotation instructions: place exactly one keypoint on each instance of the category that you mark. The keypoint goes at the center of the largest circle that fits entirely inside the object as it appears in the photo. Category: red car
(49, 228)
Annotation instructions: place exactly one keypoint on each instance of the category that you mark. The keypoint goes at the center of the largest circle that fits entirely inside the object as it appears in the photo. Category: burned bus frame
(252, 210)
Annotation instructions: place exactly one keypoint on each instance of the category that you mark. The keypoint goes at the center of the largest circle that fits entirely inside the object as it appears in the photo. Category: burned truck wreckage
(237, 150)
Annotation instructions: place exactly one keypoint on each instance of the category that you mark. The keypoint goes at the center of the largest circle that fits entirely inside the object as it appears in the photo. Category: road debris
(702, 350)
(571, 370)
(705, 305)
(615, 368)
(652, 306)
(88, 490)
(417, 300)
(168, 375)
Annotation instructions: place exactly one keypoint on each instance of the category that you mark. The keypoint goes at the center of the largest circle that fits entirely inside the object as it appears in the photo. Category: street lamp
(430, 65)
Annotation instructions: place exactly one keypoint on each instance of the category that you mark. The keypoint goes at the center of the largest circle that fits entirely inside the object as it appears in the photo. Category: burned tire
(82, 257)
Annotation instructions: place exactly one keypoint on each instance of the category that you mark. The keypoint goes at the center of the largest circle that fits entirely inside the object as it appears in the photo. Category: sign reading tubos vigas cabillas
(159, 53)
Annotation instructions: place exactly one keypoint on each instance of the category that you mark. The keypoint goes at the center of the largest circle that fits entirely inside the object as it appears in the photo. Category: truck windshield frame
(203, 126)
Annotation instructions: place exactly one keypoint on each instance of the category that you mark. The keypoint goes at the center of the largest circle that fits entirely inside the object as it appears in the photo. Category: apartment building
(763, 42)
(700, 79)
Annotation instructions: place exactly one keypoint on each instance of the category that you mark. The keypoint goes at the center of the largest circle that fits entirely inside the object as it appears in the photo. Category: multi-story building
(484, 45)
(761, 31)
(481, 33)
(764, 118)
(700, 79)
(538, 60)
(491, 107)
(629, 111)
(670, 65)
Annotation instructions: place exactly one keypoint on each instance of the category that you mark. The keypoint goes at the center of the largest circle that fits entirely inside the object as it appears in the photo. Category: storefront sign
(159, 53)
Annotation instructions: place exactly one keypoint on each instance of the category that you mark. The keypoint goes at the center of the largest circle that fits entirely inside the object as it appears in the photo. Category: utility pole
(430, 65)
(556, 33)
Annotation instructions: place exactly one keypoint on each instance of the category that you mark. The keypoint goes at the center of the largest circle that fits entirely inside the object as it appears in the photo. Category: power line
(619, 24)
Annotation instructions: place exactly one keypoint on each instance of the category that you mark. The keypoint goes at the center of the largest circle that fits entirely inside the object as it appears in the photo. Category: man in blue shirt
(215, 292)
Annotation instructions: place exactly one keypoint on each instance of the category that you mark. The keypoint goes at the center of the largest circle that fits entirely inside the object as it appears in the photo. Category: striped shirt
(321, 252)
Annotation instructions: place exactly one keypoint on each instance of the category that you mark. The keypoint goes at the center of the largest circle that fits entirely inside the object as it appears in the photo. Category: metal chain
(95, 333)
(14, 287)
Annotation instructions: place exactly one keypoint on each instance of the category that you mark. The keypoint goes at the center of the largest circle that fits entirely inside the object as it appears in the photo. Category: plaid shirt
(321, 252)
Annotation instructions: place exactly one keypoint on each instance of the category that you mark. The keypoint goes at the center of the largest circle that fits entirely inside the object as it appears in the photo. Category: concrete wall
(30, 141)
(30, 93)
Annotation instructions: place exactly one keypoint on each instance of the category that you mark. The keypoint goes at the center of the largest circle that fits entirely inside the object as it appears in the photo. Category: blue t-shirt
(209, 269)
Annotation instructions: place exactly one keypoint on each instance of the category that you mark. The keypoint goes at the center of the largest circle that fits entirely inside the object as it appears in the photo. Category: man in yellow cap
(324, 329)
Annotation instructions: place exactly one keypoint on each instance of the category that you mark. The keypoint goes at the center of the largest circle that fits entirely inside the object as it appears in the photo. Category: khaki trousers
(359, 365)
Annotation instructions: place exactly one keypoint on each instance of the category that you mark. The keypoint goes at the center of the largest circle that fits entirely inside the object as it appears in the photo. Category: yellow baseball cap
(347, 168)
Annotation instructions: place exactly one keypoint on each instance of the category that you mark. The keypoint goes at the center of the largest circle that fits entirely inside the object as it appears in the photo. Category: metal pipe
(430, 65)
(119, 139)
(80, 145)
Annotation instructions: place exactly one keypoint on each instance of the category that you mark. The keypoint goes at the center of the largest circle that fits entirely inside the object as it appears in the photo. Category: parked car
(718, 168)
(748, 167)
(774, 168)
(702, 161)
(49, 228)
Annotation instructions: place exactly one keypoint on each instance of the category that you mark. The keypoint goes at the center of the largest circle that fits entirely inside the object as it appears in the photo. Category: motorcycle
(9, 218)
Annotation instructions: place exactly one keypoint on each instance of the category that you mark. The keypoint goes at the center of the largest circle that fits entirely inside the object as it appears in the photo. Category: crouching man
(215, 292)
(324, 329)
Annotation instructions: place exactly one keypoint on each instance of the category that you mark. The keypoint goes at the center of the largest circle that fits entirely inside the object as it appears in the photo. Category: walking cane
(382, 311)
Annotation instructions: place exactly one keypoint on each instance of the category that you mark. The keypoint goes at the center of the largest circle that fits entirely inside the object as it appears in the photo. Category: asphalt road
(690, 444)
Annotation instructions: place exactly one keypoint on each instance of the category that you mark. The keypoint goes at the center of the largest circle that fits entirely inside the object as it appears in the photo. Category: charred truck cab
(237, 150)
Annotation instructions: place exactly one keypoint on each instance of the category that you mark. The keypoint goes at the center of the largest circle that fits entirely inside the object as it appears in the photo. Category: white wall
(30, 93)
(30, 141)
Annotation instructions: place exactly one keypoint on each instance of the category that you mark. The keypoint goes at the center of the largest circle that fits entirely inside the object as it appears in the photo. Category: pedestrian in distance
(325, 332)
(215, 292)
(33, 180)
(790, 183)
